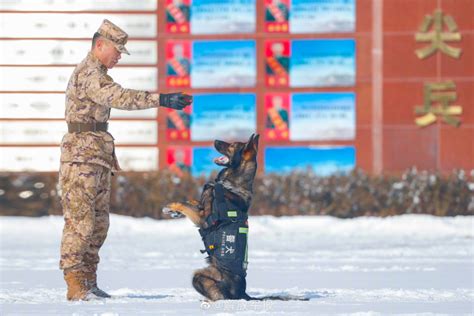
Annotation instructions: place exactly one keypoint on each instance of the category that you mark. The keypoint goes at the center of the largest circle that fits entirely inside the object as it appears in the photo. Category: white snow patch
(404, 265)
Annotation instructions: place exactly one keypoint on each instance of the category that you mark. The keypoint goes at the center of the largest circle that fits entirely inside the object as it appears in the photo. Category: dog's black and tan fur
(240, 167)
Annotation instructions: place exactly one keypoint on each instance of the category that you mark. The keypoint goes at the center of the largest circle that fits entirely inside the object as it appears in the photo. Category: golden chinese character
(437, 37)
(437, 92)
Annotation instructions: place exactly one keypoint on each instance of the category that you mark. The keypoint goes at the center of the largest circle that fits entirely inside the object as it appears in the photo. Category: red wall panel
(438, 146)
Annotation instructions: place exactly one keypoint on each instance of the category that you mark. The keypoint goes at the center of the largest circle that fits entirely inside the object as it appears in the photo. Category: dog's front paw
(168, 210)
(171, 213)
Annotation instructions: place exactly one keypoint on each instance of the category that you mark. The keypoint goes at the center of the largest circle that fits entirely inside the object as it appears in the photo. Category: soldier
(276, 11)
(177, 12)
(278, 63)
(280, 113)
(88, 156)
(178, 64)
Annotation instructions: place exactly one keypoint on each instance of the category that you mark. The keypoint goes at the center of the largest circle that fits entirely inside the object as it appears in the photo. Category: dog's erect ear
(252, 144)
(253, 141)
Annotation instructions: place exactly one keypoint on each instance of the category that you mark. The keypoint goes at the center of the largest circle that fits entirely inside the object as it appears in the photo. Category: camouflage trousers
(85, 199)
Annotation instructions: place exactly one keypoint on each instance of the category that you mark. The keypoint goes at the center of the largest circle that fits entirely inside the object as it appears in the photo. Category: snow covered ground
(412, 264)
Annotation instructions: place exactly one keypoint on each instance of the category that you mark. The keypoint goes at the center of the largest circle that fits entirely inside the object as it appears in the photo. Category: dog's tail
(275, 298)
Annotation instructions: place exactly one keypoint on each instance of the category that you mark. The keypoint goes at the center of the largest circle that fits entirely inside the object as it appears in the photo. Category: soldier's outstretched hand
(177, 101)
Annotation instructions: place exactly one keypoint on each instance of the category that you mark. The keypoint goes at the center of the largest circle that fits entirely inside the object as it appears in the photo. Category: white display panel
(147, 114)
(47, 159)
(30, 159)
(142, 78)
(41, 105)
(51, 132)
(78, 5)
(65, 25)
(56, 78)
(134, 132)
(51, 105)
(55, 52)
(137, 159)
(32, 132)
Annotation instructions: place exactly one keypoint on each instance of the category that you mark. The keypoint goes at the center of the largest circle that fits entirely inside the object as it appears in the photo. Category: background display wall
(320, 80)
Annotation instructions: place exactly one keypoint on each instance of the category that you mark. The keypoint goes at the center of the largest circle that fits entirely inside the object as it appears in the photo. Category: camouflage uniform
(87, 158)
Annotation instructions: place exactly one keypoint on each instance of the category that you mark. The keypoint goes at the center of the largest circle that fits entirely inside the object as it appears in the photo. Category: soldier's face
(109, 55)
(178, 51)
(277, 103)
(277, 49)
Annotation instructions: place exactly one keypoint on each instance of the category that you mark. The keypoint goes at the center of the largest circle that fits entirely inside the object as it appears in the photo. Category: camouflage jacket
(90, 95)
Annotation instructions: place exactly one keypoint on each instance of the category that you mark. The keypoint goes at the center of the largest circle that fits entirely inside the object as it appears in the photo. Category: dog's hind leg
(189, 210)
(206, 284)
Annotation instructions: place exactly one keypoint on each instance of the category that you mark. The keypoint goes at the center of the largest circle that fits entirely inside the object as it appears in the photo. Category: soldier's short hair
(95, 38)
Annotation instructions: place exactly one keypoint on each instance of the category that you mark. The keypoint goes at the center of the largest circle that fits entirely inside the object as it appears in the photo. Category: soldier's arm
(104, 91)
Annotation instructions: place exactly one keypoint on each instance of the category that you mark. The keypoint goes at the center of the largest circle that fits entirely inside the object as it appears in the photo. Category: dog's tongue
(222, 160)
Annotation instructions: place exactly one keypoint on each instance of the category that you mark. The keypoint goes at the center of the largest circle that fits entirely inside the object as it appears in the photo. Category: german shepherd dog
(232, 190)
(218, 282)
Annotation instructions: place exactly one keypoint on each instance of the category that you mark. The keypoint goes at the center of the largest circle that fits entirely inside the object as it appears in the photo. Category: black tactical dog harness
(225, 237)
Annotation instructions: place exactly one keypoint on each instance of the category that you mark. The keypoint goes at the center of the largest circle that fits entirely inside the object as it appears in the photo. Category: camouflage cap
(114, 34)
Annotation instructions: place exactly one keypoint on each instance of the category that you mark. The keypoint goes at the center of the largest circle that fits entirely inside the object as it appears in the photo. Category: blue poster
(222, 16)
(322, 63)
(226, 116)
(322, 16)
(203, 161)
(223, 64)
(323, 161)
(322, 116)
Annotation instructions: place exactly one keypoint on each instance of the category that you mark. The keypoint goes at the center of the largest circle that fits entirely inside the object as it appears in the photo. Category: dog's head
(240, 162)
(236, 154)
